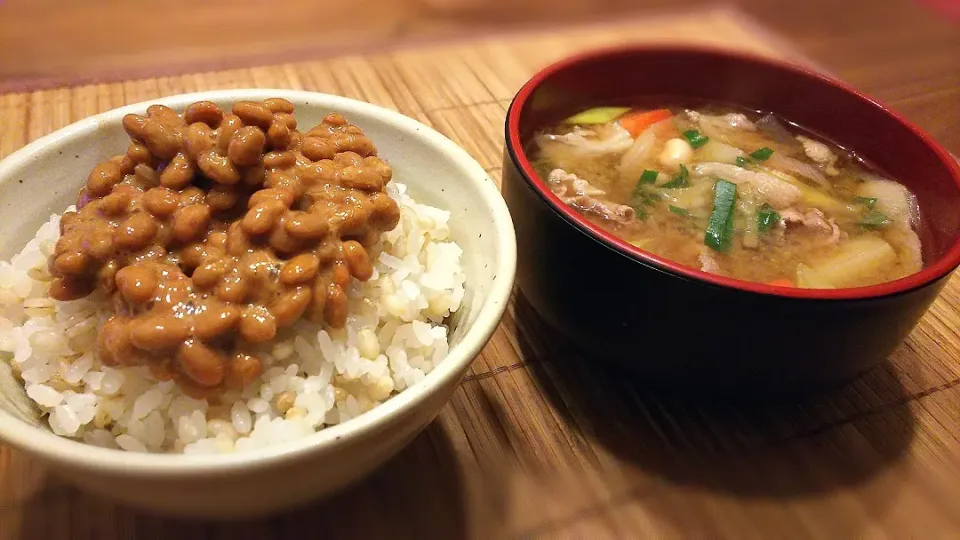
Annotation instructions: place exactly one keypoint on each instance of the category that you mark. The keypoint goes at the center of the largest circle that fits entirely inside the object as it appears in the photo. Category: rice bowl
(264, 479)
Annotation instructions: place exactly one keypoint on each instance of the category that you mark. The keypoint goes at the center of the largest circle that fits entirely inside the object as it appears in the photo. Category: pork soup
(736, 193)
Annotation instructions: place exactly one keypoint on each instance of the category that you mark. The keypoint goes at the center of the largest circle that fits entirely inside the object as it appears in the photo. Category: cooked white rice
(313, 377)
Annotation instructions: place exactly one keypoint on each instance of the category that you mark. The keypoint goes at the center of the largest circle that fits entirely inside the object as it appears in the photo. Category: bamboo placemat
(537, 443)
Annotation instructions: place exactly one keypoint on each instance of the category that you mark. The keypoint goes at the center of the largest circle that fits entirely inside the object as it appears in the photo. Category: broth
(736, 193)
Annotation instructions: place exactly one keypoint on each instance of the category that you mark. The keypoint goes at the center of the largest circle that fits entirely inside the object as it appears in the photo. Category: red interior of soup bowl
(625, 76)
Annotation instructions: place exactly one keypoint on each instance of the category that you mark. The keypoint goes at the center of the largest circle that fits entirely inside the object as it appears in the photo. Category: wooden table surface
(536, 444)
(902, 51)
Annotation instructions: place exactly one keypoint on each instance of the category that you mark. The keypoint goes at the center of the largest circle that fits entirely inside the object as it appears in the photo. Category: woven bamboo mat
(536, 443)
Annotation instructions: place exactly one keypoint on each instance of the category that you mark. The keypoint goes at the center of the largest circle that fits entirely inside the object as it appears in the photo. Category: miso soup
(736, 193)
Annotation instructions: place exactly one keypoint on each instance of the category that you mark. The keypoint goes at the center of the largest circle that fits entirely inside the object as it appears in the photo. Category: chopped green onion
(874, 219)
(644, 197)
(741, 161)
(761, 154)
(641, 198)
(678, 211)
(869, 202)
(649, 177)
(597, 115)
(695, 138)
(766, 218)
(719, 235)
(680, 180)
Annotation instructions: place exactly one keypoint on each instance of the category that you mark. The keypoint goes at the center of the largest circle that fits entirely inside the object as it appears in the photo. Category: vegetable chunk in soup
(738, 194)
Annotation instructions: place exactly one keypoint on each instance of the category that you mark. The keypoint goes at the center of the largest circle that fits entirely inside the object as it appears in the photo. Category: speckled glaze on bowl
(679, 326)
(45, 177)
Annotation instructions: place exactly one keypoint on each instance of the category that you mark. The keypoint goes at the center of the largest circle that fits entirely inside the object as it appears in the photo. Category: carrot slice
(782, 282)
(636, 122)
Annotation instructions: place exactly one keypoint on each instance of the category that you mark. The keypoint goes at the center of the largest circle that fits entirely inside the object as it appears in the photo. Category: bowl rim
(68, 453)
(514, 146)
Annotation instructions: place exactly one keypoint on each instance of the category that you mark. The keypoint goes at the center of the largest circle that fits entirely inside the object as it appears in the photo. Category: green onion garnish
(644, 197)
(678, 181)
(695, 138)
(869, 202)
(761, 154)
(766, 218)
(719, 235)
(677, 210)
(874, 219)
(741, 161)
(649, 177)
(641, 198)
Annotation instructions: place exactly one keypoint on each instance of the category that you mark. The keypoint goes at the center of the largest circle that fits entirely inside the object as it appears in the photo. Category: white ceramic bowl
(45, 176)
